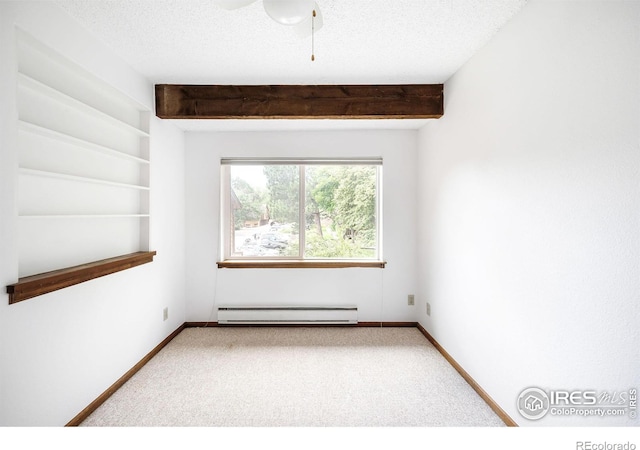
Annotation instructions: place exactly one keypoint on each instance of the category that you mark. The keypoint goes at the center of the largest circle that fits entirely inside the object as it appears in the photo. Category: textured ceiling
(361, 42)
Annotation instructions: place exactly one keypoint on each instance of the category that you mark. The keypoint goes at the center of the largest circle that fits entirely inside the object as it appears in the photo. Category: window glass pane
(340, 211)
(265, 210)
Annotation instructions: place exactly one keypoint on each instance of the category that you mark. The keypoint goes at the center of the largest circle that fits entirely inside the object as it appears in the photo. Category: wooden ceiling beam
(402, 101)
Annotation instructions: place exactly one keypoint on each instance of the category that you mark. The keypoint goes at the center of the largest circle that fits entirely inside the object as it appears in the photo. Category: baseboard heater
(287, 315)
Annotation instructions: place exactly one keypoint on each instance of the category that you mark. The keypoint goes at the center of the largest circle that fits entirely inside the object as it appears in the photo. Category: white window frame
(227, 259)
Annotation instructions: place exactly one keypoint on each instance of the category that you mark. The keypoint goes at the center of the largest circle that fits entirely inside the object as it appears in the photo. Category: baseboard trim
(77, 420)
(200, 324)
(476, 387)
(359, 324)
(387, 324)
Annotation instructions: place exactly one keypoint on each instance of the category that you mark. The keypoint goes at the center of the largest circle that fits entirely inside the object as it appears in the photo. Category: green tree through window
(337, 202)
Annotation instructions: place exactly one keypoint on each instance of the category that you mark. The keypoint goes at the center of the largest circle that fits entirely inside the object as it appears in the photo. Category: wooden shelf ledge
(289, 264)
(34, 285)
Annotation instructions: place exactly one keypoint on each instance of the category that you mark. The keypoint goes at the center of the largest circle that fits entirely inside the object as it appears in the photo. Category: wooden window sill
(289, 264)
(32, 286)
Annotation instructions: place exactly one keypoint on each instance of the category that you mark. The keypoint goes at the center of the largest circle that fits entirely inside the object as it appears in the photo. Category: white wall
(529, 207)
(380, 294)
(59, 351)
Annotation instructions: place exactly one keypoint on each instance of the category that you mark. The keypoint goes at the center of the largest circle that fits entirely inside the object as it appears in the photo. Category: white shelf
(64, 176)
(47, 56)
(28, 127)
(30, 83)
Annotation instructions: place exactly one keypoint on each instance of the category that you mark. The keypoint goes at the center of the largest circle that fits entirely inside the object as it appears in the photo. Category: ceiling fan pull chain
(313, 17)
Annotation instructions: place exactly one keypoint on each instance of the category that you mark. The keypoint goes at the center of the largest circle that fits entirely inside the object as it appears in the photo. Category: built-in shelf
(77, 142)
(34, 55)
(84, 168)
(44, 283)
(35, 85)
(64, 176)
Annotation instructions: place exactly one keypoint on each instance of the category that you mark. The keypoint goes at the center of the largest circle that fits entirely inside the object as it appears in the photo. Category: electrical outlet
(411, 300)
(165, 313)
(428, 309)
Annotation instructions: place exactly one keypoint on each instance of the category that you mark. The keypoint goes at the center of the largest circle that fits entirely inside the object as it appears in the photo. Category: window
(297, 212)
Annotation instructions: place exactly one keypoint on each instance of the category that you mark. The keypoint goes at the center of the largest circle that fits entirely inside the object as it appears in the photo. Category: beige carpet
(267, 377)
